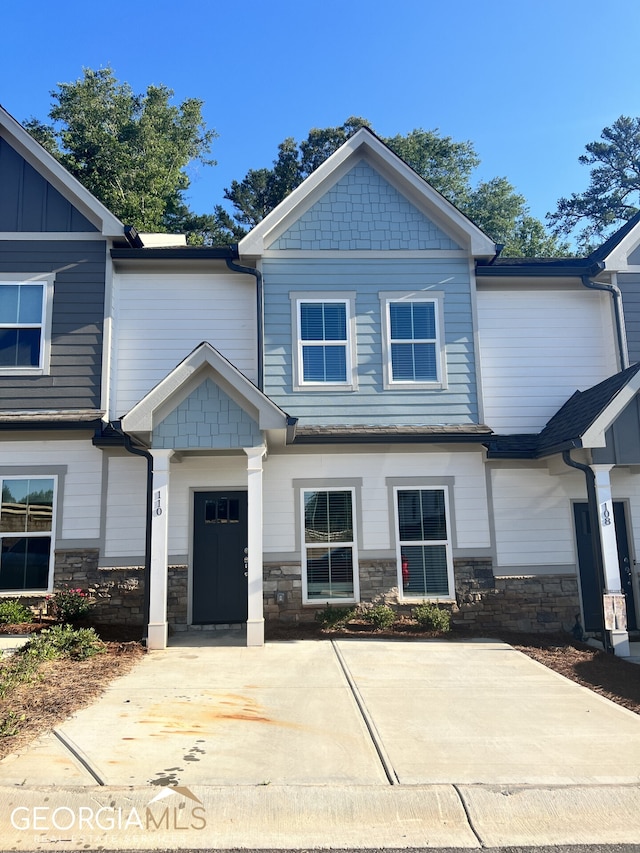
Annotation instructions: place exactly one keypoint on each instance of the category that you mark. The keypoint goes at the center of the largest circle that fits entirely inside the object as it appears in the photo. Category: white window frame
(436, 298)
(15, 593)
(451, 596)
(349, 344)
(304, 546)
(46, 282)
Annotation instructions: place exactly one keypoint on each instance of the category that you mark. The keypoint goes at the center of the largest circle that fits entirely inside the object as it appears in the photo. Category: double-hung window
(324, 356)
(425, 566)
(329, 546)
(24, 324)
(413, 340)
(26, 533)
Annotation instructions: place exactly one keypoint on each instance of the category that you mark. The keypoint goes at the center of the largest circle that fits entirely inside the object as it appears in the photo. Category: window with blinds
(329, 546)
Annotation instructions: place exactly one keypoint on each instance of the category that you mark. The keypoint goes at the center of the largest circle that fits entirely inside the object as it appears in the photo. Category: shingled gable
(202, 363)
(52, 171)
(581, 422)
(365, 145)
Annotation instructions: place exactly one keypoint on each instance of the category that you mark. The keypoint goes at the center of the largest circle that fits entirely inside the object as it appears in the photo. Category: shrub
(70, 605)
(332, 617)
(64, 641)
(13, 612)
(432, 618)
(380, 615)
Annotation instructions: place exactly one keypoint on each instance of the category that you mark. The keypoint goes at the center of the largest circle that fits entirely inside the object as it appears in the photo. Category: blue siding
(363, 211)
(208, 418)
(629, 284)
(29, 203)
(371, 403)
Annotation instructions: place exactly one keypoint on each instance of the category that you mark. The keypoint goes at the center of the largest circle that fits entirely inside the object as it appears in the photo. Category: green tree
(613, 194)
(447, 165)
(131, 151)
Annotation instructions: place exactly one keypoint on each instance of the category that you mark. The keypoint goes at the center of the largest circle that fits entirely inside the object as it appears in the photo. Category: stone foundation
(542, 603)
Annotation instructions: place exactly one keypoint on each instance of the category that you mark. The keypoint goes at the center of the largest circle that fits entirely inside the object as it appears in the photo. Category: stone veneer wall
(543, 603)
(119, 592)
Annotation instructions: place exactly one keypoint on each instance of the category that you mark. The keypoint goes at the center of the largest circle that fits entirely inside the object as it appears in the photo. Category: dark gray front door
(591, 603)
(219, 550)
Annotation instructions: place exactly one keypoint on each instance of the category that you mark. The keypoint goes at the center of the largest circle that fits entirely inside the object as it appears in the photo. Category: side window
(425, 565)
(329, 548)
(413, 355)
(26, 533)
(324, 349)
(25, 325)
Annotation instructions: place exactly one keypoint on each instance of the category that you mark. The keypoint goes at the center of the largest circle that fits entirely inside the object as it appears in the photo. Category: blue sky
(529, 82)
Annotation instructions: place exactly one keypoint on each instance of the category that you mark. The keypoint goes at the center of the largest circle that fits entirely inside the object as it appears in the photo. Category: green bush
(69, 605)
(380, 615)
(64, 641)
(332, 617)
(14, 612)
(432, 618)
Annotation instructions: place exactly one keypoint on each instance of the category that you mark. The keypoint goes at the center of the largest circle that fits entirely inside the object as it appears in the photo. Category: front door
(219, 551)
(591, 603)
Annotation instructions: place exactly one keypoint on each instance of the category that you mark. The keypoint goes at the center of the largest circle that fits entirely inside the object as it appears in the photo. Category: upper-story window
(412, 340)
(25, 320)
(324, 345)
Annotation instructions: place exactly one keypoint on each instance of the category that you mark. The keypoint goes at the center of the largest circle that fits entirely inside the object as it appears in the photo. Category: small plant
(69, 605)
(380, 615)
(14, 612)
(432, 618)
(10, 724)
(64, 641)
(333, 617)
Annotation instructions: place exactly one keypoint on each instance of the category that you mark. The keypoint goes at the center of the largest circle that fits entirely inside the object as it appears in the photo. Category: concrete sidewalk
(355, 743)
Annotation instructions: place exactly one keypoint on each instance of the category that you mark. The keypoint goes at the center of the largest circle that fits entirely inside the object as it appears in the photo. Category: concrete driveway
(435, 731)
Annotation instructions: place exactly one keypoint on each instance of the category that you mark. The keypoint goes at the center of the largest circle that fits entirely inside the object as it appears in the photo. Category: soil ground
(64, 686)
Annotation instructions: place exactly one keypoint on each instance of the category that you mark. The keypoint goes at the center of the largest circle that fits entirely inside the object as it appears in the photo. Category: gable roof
(580, 422)
(68, 186)
(203, 362)
(366, 145)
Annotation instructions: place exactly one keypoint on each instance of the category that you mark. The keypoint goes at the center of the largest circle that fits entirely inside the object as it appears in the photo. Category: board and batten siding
(159, 318)
(629, 284)
(28, 202)
(537, 347)
(74, 379)
(468, 495)
(370, 403)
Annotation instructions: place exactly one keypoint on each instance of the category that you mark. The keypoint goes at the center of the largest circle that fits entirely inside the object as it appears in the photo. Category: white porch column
(157, 628)
(619, 639)
(255, 613)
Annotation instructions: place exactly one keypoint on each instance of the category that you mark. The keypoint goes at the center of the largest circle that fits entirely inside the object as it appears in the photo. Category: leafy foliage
(379, 615)
(432, 618)
(129, 150)
(613, 194)
(64, 641)
(69, 605)
(333, 617)
(14, 612)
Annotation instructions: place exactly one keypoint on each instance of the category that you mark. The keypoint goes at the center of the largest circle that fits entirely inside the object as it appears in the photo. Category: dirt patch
(62, 687)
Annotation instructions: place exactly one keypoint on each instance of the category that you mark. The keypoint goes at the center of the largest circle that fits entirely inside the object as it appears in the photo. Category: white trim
(446, 542)
(353, 544)
(437, 299)
(47, 282)
(595, 435)
(365, 254)
(365, 144)
(348, 299)
(39, 534)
